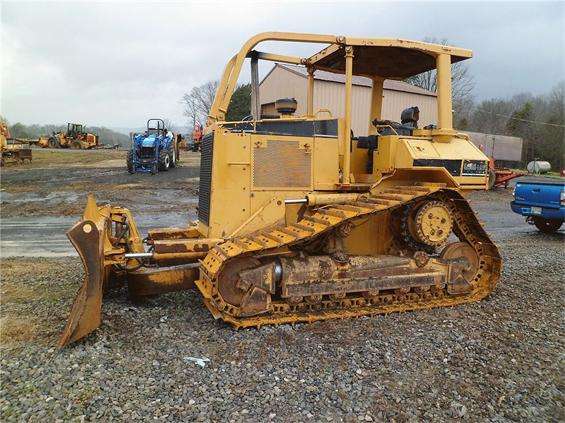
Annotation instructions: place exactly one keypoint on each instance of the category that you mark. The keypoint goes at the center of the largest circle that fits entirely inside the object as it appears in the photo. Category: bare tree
(461, 82)
(198, 101)
(489, 116)
(191, 109)
(169, 124)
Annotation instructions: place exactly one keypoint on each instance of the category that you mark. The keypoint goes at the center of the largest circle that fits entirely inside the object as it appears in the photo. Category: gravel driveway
(498, 360)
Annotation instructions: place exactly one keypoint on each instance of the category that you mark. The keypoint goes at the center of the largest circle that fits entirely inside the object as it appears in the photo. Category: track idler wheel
(430, 223)
(465, 265)
(229, 278)
(241, 285)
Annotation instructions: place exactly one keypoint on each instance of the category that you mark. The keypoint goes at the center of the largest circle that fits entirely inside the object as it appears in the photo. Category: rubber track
(466, 227)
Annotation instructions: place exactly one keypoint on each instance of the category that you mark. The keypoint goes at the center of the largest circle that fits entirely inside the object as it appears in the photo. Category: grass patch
(34, 298)
(553, 175)
(12, 293)
(17, 329)
(66, 158)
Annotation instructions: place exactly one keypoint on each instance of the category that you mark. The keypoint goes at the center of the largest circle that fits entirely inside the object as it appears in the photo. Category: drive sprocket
(430, 223)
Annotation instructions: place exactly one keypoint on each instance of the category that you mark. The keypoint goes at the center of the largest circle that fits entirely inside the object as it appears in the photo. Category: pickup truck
(543, 203)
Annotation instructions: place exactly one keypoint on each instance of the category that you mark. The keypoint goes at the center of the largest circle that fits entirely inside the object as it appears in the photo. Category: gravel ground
(497, 360)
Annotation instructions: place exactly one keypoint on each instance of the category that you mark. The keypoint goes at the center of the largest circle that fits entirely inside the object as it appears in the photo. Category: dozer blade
(86, 310)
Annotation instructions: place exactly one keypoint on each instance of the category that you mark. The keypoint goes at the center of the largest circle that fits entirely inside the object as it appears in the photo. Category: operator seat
(409, 121)
(410, 116)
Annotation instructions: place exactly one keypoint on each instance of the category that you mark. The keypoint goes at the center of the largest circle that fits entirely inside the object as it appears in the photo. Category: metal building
(284, 81)
(504, 149)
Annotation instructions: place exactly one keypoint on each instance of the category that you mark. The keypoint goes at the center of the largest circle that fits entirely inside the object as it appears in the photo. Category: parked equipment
(196, 143)
(12, 150)
(182, 142)
(300, 220)
(542, 203)
(45, 141)
(155, 150)
(501, 176)
(75, 137)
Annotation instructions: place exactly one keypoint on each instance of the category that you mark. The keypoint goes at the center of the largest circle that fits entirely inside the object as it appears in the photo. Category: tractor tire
(164, 160)
(52, 143)
(174, 157)
(129, 162)
(547, 226)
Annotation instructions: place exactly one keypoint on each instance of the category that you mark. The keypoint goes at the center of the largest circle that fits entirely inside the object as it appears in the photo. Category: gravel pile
(497, 360)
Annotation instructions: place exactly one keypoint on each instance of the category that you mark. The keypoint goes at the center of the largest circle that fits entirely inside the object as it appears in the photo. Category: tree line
(538, 119)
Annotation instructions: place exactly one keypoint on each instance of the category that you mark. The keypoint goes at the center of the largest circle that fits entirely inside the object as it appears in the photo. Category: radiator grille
(205, 186)
(281, 164)
(147, 152)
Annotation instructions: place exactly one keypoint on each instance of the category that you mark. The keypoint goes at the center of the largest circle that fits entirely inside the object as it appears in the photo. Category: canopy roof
(391, 59)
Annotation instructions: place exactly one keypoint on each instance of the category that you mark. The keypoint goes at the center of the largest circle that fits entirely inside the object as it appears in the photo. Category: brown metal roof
(389, 84)
(392, 58)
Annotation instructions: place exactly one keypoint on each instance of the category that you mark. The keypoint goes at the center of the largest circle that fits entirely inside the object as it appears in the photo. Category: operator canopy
(377, 58)
(384, 61)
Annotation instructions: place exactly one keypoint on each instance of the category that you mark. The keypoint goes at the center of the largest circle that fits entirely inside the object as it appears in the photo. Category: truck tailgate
(538, 194)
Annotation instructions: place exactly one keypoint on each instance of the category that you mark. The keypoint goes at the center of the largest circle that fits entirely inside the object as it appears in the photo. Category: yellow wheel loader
(299, 220)
(45, 141)
(75, 137)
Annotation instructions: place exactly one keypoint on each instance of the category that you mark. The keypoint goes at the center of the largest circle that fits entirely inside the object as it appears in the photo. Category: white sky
(117, 63)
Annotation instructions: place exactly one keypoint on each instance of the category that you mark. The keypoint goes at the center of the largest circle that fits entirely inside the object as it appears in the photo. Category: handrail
(387, 126)
(328, 111)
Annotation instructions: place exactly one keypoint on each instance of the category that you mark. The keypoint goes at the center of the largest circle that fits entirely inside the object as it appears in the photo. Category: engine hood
(148, 141)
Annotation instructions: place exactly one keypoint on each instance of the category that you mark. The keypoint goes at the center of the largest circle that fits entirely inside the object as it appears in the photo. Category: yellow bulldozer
(13, 150)
(76, 137)
(299, 220)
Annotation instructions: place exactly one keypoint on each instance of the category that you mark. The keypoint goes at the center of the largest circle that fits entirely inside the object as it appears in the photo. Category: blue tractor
(155, 150)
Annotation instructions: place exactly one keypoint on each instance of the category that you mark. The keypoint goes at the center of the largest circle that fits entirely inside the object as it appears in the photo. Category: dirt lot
(57, 181)
(497, 360)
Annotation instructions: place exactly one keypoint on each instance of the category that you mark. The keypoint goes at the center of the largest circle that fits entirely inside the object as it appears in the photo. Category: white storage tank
(538, 166)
